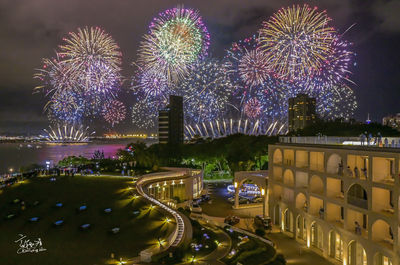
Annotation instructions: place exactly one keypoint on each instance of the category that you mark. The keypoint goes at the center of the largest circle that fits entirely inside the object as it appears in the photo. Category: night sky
(32, 29)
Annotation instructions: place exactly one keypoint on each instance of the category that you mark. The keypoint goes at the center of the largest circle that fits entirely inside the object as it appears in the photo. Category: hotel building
(341, 200)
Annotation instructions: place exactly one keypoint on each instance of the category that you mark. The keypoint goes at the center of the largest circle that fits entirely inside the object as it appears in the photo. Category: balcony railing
(356, 201)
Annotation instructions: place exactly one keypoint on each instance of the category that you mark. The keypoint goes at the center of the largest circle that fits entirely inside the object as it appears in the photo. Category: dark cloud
(31, 30)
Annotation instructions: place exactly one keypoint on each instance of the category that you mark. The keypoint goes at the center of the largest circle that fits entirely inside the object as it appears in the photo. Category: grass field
(67, 244)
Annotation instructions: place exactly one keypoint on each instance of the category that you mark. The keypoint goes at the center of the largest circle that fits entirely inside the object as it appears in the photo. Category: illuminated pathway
(183, 231)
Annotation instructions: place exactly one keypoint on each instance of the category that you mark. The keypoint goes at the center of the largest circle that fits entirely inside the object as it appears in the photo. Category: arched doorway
(335, 245)
(356, 254)
(316, 236)
(380, 259)
(301, 229)
(288, 221)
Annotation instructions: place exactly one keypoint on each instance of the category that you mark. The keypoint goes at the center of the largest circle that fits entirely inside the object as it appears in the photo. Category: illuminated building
(341, 200)
(170, 122)
(392, 121)
(301, 112)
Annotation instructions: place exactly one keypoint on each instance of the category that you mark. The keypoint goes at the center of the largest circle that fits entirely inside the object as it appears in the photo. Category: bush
(279, 260)
(260, 232)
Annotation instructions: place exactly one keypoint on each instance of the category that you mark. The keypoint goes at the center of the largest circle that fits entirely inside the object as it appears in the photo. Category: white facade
(342, 200)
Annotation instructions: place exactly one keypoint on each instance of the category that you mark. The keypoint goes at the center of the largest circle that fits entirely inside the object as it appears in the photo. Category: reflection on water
(15, 155)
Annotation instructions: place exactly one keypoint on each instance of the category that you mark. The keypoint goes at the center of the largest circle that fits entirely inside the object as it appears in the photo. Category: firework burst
(90, 46)
(176, 39)
(297, 41)
(67, 134)
(84, 75)
(114, 112)
(205, 91)
(252, 108)
(66, 106)
(145, 113)
(151, 84)
(253, 67)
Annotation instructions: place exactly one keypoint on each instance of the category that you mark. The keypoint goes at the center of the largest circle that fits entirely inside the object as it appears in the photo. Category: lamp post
(263, 197)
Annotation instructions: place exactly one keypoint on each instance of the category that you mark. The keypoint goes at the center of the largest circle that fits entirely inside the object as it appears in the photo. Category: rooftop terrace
(392, 144)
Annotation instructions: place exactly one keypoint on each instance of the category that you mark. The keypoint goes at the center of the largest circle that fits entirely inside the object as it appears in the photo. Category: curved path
(183, 231)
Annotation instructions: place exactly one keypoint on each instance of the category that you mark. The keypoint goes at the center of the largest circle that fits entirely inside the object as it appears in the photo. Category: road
(289, 247)
(214, 257)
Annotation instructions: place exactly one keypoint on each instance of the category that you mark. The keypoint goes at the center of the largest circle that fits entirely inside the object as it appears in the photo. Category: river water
(15, 155)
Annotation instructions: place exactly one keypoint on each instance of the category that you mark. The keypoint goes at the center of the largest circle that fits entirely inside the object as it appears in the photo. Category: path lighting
(192, 259)
(161, 242)
(235, 184)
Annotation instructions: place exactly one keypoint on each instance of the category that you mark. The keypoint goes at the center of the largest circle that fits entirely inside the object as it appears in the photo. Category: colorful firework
(151, 84)
(335, 70)
(336, 103)
(297, 41)
(90, 46)
(65, 106)
(145, 113)
(224, 127)
(332, 102)
(176, 39)
(235, 62)
(54, 77)
(84, 75)
(253, 67)
(67, 134)
(114, 112)
(252, 108)
(205, 91)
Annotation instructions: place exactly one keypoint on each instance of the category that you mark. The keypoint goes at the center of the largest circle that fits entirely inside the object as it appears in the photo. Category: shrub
(260, 232)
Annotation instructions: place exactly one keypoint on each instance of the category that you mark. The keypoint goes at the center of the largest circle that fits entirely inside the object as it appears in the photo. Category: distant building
(301, 112)
(392, 121)
(170, 122)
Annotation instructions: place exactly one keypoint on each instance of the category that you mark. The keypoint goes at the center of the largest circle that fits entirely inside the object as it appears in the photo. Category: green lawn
(67, 244)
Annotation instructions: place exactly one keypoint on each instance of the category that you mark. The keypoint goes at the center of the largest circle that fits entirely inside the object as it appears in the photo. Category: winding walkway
(183, 231)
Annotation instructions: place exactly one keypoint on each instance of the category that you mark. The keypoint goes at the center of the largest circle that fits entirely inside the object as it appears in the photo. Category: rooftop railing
(388, 142)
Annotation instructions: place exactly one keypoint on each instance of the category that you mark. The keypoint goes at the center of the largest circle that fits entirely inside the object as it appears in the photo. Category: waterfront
(15, 155)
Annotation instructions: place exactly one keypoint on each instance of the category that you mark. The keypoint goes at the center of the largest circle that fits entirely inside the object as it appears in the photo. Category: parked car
(257, 200)
(243, 200)
(232, 220)
(195, 208)
(205, 198)
(262, 222)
